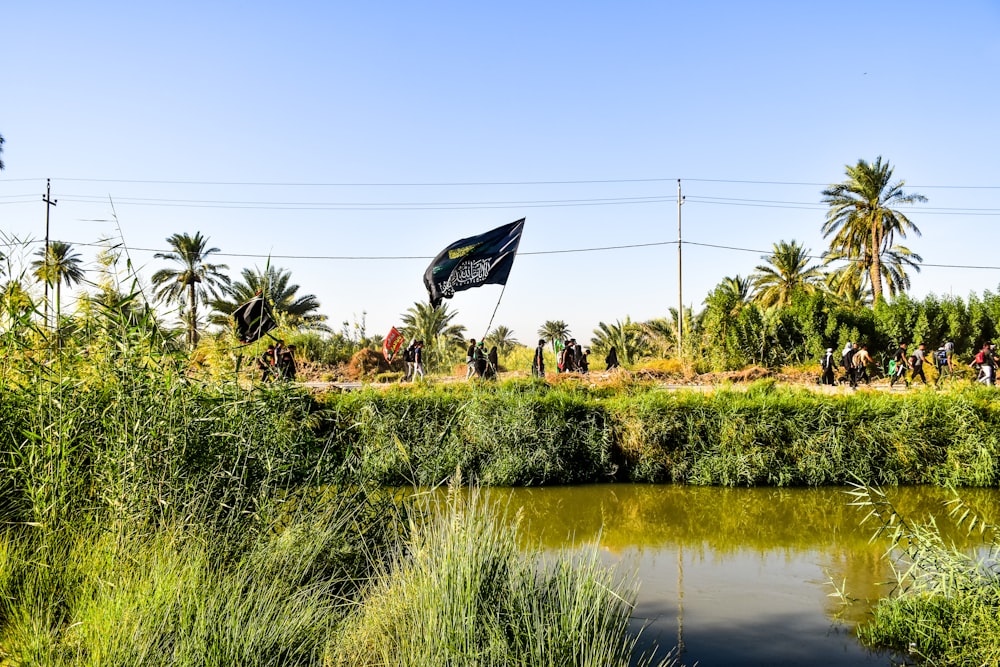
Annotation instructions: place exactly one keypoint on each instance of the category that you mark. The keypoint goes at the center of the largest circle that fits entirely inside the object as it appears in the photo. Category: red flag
(390, 346)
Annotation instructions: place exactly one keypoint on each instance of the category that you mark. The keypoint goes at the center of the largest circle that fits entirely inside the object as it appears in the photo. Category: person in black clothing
(286, 363)
(585, 361)
(479, 359)
(611, 361)
(538, 363)
(570, 365)
(847, 361)
(418, 360)
(902, 364)
(492, 364)
(408, 361)
(266, 364)
(828, 363)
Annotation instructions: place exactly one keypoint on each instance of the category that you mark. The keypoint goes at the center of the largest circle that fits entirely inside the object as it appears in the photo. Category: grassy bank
(528, 433)
(149, 519)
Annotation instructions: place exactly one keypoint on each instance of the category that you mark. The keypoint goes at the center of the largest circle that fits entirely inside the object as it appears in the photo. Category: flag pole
(494, 312)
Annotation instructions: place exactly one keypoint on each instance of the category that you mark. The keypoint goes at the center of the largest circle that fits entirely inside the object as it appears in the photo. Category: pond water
(740, 576)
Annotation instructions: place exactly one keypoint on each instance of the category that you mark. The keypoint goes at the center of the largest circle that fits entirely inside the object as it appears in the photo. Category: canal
(740, 576)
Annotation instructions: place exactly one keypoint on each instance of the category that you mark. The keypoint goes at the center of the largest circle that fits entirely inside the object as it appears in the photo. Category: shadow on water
(739, 576)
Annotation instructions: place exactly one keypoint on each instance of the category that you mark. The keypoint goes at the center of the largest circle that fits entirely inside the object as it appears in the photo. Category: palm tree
(786, 272)
(855, 275)
(273, 283)
(503, 338)
(422, 321)
(625, 336)
(862, 220)
(60, 265)
(554, 330)
(194, 280)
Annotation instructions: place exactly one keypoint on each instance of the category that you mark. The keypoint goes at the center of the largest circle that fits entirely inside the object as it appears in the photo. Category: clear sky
(318, 131)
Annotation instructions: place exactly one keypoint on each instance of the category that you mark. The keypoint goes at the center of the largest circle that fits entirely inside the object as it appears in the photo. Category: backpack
(979, 358)
(942, 357)
(827, 362)
(409, 353)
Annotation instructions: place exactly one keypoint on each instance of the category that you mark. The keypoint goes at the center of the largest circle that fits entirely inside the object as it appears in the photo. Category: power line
(472, 183)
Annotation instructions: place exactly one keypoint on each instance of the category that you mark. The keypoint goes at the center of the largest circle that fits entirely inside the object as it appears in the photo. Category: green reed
(944, 601)
(530, 433)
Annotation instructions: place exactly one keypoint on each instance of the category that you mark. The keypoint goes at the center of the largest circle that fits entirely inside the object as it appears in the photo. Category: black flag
(477, 260)
(253, 319)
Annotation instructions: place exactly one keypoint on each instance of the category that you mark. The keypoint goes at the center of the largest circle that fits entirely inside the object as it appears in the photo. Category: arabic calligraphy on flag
(485, 259)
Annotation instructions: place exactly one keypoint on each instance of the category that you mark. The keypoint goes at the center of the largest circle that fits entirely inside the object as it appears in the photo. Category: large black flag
(477, 260)
(253, 319)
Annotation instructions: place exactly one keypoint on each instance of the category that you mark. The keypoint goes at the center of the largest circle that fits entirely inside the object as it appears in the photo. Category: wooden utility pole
(49, 203)
(680, 291)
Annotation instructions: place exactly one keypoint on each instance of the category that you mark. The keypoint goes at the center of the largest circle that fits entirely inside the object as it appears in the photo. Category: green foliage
(943, 607)
(468, 595)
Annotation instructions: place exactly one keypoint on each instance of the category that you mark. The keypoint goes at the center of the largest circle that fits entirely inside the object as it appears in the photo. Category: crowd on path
(856, 361)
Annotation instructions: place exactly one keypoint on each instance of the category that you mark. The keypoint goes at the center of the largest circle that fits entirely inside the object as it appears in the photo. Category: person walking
(917, 364)
(847, 361)
(470, 359)
(901, 364)
(538, 363)
(828, 363)
(492, 364)
(408, 361)
(418, 360)
(611, 361)
(862, 360)
(479, 359)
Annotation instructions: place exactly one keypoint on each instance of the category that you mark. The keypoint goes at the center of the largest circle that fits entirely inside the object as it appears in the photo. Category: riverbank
(528, 433)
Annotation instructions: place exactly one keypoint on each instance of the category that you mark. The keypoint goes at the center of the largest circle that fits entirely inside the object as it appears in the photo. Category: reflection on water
(738, 576)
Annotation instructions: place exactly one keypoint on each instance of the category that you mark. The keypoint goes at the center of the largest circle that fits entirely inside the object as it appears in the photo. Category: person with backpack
(900, 364)
(941, 363)
(986, 362)
(828, 364)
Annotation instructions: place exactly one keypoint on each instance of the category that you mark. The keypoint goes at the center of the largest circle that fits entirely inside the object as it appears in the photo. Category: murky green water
(739, 576)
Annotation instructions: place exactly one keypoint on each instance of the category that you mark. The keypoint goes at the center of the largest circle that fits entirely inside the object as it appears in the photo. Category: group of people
(855, 360)
(277, 362)
(413, 357)
(571, 358)
(479, 362)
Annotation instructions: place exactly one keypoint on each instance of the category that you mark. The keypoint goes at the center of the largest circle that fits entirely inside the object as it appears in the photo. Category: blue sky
(315, 131)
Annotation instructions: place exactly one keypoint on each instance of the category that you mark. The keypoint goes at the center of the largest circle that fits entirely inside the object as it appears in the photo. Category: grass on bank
(533, 433)
(945, 603)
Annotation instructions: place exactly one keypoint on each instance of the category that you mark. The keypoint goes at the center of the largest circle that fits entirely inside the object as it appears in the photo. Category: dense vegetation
(149, 517)
(525, 433)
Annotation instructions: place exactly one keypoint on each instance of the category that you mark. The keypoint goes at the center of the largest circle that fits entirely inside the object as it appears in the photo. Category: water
(739, 576)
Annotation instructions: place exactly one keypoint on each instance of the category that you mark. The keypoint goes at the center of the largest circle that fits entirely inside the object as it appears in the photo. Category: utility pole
(49, 203)
(680, 291)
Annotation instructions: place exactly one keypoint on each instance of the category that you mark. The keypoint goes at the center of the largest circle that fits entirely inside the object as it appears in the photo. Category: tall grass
(531, 433)
(944, 603)
(466, 595)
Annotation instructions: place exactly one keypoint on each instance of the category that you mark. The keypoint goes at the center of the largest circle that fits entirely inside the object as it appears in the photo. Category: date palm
(554, 330)
(786, 272)
(195, 279)
(273, 283)
(503, 338)
(60, 265)
(422, 321)
(864, 221)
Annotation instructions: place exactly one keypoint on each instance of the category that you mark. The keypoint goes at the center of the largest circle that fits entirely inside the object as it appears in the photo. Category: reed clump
(944, 604)
(465, 594)
(534, 433)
